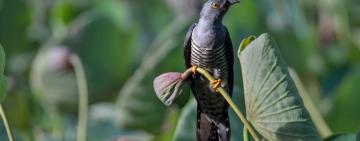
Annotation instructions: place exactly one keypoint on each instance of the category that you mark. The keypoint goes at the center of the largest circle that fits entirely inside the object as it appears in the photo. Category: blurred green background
(125, 44)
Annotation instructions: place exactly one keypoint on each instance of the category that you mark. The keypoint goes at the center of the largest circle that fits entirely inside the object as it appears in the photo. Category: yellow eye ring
(215, 5)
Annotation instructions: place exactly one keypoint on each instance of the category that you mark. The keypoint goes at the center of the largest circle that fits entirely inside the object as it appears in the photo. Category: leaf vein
(267, 76)
(262, 109)
(282, 121)
(271, 90)
(287, 134)
(279, 112)
(256, 76)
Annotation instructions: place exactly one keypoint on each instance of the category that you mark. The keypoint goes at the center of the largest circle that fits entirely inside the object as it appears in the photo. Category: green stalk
(246, 135)
(83, 97)
(227, 98)
(6, 124)
(315, 114)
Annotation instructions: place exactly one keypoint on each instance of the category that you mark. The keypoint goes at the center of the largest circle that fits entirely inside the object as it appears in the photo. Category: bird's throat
(205, 21)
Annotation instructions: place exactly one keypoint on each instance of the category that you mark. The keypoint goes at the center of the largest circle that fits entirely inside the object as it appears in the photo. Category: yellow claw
(194, 67)
(216, 83)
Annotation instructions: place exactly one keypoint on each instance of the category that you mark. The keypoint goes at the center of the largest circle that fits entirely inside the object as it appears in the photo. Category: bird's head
(216, 9)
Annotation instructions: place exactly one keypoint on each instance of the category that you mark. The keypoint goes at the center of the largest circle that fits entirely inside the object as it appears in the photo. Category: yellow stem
(229, 100)
(6, 124)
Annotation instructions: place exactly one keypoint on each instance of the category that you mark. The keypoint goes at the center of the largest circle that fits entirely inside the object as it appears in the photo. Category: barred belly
(213, 59)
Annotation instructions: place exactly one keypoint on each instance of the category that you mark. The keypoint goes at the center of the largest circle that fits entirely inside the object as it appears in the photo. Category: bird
(208, 45)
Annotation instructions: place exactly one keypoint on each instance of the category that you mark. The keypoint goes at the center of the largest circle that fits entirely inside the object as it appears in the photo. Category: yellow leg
(194, 67)
(216, 83)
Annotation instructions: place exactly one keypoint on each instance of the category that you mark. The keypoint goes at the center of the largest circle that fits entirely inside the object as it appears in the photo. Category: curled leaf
(168, 87)
(246, 42)
(273, 104)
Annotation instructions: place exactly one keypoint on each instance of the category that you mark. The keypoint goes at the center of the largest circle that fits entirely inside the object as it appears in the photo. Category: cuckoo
(208, 45)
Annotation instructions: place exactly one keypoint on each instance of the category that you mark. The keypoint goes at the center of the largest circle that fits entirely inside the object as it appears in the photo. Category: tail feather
(210, 130)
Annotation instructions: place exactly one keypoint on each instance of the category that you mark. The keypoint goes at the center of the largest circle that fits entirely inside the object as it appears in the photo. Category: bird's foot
(216, 83)
(193, 69)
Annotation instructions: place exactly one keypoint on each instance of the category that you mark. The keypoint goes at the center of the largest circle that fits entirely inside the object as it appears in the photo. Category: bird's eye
(215, 5)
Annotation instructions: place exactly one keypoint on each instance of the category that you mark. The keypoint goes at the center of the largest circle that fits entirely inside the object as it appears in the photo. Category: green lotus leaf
(273, 104)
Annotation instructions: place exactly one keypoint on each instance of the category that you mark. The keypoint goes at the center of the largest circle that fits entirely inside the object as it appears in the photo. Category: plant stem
(83, 97)
(6, 124)
(246, 135)
(315, 114)
(228, 99)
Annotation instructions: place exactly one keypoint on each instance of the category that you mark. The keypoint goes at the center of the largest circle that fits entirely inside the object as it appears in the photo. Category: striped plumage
(206, 57)
(208, 45)
(214, 61)
(212, 108)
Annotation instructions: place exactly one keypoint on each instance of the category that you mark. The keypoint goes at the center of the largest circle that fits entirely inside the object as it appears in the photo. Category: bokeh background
(125, 44)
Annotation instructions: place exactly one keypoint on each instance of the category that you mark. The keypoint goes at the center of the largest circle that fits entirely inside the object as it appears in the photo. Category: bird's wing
(187, 46)
(230, 60)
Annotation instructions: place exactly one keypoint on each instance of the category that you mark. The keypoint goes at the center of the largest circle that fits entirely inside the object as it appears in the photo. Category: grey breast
(210, 58)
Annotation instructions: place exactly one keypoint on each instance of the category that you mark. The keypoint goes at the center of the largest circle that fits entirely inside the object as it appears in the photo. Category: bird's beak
(233, 1)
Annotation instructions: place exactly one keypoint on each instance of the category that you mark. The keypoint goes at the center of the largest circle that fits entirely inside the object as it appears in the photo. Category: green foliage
(114, 54)
(141, 111)
(319, 40)
(3, 88)
(342, 137)
(2, 60)
(273, 104)
(14, 20)
(3, 82)
(346, 98)
(186, 128)
(105, 130)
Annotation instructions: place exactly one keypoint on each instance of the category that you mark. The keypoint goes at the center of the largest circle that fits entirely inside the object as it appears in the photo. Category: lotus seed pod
(53, 79)
(58, 59)
(168, 87)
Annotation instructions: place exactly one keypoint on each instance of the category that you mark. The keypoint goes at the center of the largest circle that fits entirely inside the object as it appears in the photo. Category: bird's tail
(210, 130)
